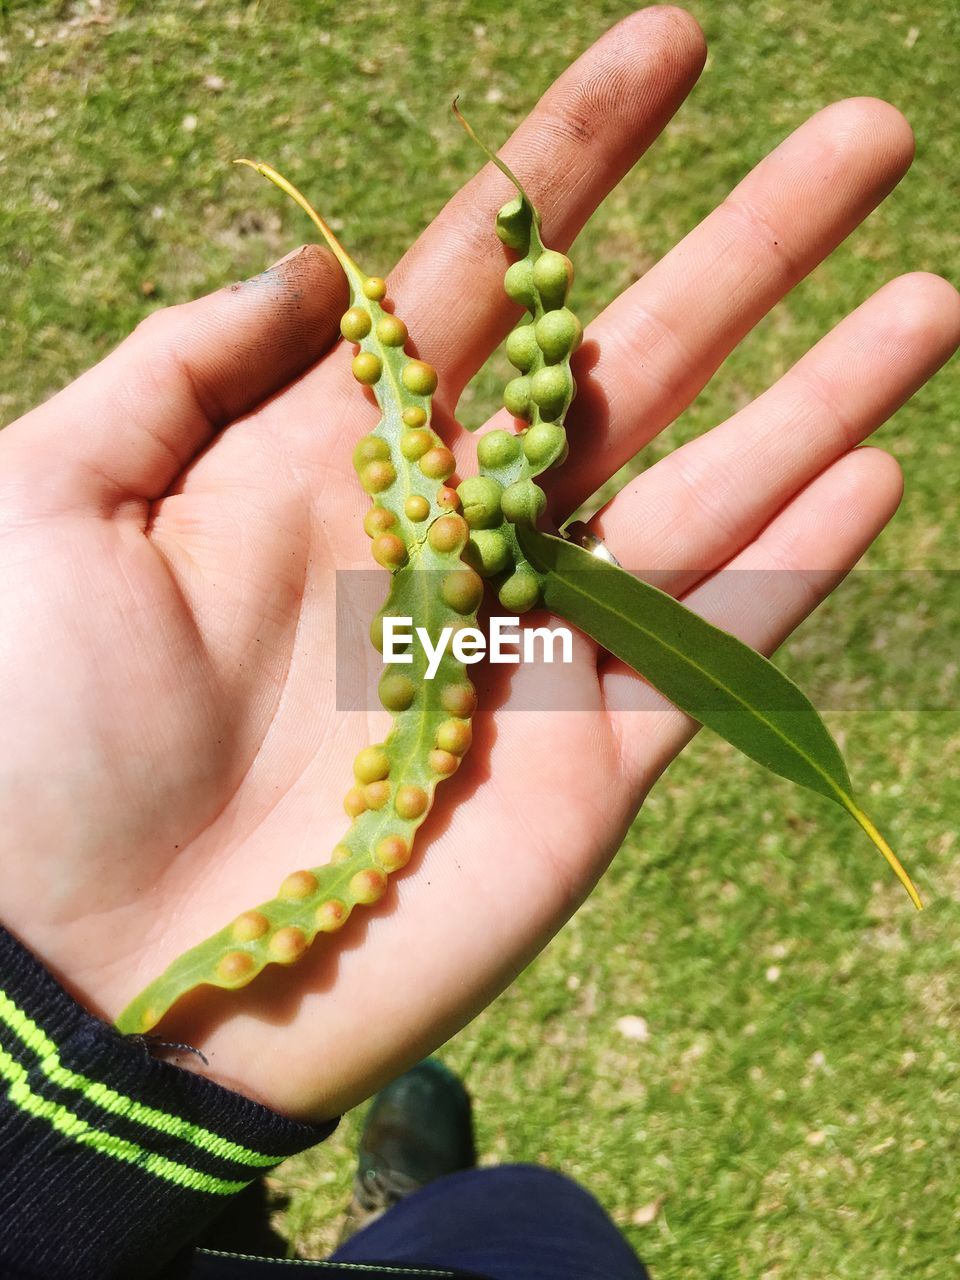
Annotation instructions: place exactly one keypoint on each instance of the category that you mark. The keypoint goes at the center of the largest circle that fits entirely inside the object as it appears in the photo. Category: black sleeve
(110, 1160)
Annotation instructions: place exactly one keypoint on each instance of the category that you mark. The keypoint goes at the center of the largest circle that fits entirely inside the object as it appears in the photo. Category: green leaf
(708, 673)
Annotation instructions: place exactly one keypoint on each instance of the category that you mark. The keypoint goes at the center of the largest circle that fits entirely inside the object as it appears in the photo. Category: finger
(588, 129)
(708, 499)
(129, 426)
(652, 350)
(762, 594)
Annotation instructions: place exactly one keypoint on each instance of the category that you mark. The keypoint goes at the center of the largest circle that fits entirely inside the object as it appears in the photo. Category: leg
(511, 1222)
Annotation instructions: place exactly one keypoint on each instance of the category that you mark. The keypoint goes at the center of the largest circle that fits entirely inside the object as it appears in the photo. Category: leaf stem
(896, 866)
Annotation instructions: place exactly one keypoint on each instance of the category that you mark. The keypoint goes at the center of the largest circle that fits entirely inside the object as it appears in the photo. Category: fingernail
(286, 257)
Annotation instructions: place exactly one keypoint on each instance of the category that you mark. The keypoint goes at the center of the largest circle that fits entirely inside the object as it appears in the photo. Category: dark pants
(509, 1222)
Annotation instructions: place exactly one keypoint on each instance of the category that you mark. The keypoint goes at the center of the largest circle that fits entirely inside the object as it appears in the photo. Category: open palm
(172, 523)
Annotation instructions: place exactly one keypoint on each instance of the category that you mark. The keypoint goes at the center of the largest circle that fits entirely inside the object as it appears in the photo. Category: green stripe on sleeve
(71, 1126)
(109, 1100)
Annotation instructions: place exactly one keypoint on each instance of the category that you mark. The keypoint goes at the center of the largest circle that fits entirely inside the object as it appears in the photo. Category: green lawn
(791, 1107)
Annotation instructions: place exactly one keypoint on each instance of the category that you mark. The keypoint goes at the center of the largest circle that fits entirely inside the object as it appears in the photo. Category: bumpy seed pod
(416, 508)
(480, 501)
(438, 464)
(488, 551)
(415, 533)
(370, 449)
(378, 476)
(545, 441)
(523, 346)
(552, 278)
(520, 591)
(420, 378)
(367, 368)
(462, 590)
(518, 398)
(551, 389)
(497, 450)
(389, 550)
(540, 348)
(391, 331)
(378, 520)
(558, 334)
(414, 444)
(523, 501)
(519, 284)
(513, 224)
(355, 324)
(414, 415)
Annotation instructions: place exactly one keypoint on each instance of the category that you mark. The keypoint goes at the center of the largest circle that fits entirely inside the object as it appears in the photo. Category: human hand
(171, 524)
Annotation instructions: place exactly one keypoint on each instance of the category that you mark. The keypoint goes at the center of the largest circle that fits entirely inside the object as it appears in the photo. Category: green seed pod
(389, 550)
(411, 803)
(414, 444)
(448, 533)
(377, 476)
(397, 691)
(520, 592)
(558, 333)
(375, 288)
(552, 278)
(518, 284)
(513, 224)
(522, 348)
(524, 501)
(420, 378)
(369, 449)
(368, 886)
(371, 765)
(455, 736)
(367, 368)
(488, 551)
(394, 781)
(462, 590)
(378, 520)
(330, 916)
(438, 464)
(459, 700)
(516, 397)
(414, 416)
(551, 389)
(393, 852)
(391, 330)
(355, 324)
(544, 444)
(416, 508)
(480, 501)
(298, 885)
(497, 449)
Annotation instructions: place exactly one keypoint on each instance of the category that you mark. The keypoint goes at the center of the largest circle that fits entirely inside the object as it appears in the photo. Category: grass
(790, 1107)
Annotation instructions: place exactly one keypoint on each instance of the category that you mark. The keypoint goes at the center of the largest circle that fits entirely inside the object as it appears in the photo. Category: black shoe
(418, 1128)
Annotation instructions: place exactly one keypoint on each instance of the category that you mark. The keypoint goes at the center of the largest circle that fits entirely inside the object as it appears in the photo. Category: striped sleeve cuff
(111, 1161)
